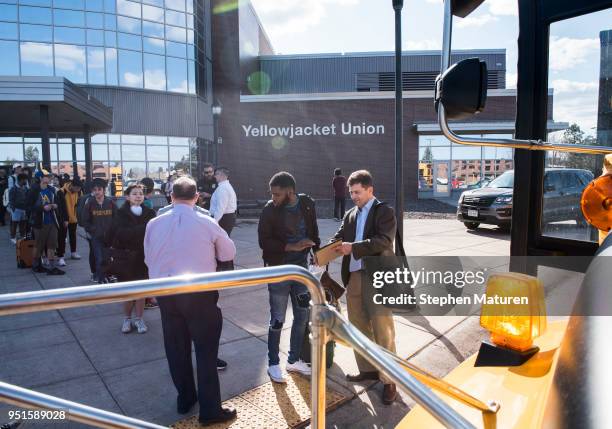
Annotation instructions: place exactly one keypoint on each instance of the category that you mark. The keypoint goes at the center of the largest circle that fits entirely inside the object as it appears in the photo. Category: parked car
(492, 204)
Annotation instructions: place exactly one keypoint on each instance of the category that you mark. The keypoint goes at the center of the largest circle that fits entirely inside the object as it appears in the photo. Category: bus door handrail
(323, 317)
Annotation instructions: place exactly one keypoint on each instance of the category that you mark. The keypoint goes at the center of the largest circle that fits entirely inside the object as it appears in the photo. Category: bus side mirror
(463, 8)
(462, 89)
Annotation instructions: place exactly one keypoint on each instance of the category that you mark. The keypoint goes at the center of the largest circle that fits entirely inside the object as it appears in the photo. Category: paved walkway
(81, 355)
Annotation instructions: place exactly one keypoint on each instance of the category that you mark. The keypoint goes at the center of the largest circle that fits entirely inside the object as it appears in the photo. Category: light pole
(399, 153)
(217, 109)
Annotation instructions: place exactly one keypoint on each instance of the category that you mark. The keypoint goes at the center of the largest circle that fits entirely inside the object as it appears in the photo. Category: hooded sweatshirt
(71, 199)
(98, 218)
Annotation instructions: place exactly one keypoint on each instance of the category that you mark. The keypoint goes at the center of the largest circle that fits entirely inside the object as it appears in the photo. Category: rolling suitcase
(25, 256)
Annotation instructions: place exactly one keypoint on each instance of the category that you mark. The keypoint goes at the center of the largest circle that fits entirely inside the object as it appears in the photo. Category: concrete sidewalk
(81, 355)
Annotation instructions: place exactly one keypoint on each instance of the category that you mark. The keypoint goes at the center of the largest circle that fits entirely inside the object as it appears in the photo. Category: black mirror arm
(512, 143)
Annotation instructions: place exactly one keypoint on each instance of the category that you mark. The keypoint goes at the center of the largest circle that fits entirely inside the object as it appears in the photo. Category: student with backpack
(98, 213)
(18, 204)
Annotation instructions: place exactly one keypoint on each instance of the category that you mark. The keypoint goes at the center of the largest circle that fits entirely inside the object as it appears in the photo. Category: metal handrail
(513, 143)
(323, 317)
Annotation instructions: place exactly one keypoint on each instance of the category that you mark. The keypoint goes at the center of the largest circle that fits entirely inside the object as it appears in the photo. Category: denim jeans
(101, 254)
(300, 300)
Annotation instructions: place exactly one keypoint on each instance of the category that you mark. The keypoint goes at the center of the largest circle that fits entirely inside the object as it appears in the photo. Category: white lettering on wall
(314, 130)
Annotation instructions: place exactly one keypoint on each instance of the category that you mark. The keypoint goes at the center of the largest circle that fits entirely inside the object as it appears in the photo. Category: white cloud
(476, 21)
(95, 58)
(181, 87)
(503, 7)
(155, 79)
(69, 58)
(133, 79)
(294, 16)
(575, 101)
(566, 53)
(562, 86)
(511, 80)
(37, 53)
(422, 45)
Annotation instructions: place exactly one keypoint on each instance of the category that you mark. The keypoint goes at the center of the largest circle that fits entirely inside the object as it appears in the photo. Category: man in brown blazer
(368, 229)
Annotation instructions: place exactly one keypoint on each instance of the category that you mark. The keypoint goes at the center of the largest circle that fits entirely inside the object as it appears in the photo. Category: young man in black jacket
(287, 231)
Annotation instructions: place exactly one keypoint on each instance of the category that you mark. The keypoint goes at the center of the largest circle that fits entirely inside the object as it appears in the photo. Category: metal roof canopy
(71, 108)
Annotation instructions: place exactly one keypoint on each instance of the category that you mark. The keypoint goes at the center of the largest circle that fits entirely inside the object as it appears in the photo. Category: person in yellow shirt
(67, 198)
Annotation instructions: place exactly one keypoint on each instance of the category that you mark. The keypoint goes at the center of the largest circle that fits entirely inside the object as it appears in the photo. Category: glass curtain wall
(153, 45)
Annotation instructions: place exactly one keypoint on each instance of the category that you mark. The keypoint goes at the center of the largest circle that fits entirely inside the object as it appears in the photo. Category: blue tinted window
(8, 12)
(154, 46)
(191, 50)
(69, 35)
(34, 15)
(110, 39)
(36, 33)
(129, 25)
(154, 72)
(176, 49)
(95, 37)
(191, 75)
(36, 59)
(95, 5)
(176, 34)
(109, 6)
(152, 13)
(189, 4)
(8, 30)
(111, 66)
(176, 4)
(125, 7)
(189, 21)
(177, 75)
(129, 41)
(175, 18)
(159, 3)
(69, 4)
(95, 66)
(95, 20)
(10, 54)
(130, 68)
(44, 3)
(190, 37)
(152, 29)
(70, 62)
(110, 22)
(69, 18)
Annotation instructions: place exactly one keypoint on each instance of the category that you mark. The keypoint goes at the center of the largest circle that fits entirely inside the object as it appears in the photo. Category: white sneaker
(61, 262)
(14, 240)
(75, 255)
(141, 326)
(277, 374)
(127, 326)
(299, 366)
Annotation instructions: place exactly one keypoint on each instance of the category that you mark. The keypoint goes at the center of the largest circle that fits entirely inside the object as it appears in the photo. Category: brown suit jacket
(378, 234)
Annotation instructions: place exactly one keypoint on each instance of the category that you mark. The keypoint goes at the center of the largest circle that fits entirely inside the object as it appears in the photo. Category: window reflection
(152, 13)
(152, 29)
(109, 6)
(95, 66)
(179, 153)
(114, 152)
(99, 152)
(95, 20)
(176, 4)
(177, 75)
(154, 46)
(69, 4)
(34, 15)
(36, 59)
(157, 170)
(8, 12)
(10, 65)
(95, 37)
(157, 153)
(129, 25)
(134, 170)
(8, 30)
(110, 39)
(11, 152)
(176, 34)
(111, 66)
(175, 18)
(159, 3)
(95, 5)
(69, 35)
(35, 33)
(129, 41)
(130, 68)
(176, 49)
(125, 7)
(155, 72)
(69, 18)
(132, 139)
(70, 62)
(110, 22)
(64, 152)
(157, 140)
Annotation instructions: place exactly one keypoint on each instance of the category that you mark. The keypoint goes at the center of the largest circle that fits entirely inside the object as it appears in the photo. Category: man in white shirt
(223, 203)
(183, 241)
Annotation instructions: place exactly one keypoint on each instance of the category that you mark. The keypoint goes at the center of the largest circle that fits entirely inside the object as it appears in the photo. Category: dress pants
(227, 222)
(186, 318)
(374, 321)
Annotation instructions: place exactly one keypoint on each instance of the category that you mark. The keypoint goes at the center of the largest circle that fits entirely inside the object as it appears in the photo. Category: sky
(323, 26)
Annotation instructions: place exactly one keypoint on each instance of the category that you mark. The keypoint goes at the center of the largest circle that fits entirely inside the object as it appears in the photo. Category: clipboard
(327, 253)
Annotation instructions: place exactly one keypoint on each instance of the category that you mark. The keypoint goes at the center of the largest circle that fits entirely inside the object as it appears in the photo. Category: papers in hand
(328, 253)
